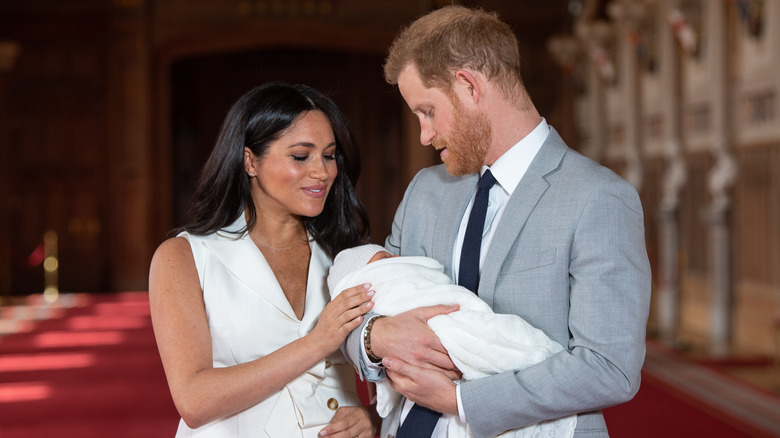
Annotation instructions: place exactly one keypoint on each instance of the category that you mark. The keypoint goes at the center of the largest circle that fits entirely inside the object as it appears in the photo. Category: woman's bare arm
(203, 393)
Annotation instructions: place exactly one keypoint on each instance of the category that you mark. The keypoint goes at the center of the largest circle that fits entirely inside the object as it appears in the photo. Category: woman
(248, 340)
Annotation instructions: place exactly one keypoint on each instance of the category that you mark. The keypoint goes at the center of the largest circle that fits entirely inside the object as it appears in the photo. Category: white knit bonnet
(350, 260)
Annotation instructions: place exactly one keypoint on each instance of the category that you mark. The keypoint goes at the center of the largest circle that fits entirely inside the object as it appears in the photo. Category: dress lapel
(524, 198)
(241, 257)
(317, 295)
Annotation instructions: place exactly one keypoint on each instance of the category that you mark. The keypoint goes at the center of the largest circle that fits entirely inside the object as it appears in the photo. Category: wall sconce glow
(50, 294)
(9, 51)
(51, 267)
(51, 264)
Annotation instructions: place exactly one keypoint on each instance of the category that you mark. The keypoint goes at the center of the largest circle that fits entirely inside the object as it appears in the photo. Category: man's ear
(468, 86)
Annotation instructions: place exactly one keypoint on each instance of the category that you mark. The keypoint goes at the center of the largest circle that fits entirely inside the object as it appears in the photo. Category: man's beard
(468, 141)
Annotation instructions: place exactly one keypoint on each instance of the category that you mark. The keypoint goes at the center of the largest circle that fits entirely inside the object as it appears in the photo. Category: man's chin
(451, 168)
(457, 169)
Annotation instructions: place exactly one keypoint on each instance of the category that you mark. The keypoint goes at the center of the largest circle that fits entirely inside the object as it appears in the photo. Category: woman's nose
(319, 169)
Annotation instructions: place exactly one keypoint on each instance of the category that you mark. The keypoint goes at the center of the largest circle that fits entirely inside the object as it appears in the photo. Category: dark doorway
(204, 88)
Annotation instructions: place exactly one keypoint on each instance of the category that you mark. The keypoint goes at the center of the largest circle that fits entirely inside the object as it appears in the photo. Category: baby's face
(379, 256)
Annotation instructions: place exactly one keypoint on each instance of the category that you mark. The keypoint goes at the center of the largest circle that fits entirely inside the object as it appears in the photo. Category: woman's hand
(341, 316)
(352, 422)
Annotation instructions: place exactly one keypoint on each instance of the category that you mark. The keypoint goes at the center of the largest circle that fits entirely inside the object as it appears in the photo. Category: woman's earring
(252, 175)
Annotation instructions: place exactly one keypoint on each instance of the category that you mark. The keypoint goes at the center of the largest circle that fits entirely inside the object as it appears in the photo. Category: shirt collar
(510, 167)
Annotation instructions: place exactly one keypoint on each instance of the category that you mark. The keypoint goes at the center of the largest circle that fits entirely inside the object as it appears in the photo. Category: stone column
(719, 182)
(596, 38)
(668, 295)
(717, 217)
(627, 15)
(675, 175)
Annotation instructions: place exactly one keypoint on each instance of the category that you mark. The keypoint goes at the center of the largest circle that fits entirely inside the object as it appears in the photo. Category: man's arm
(407, 336)
(425, 386)
(355, 352)
(607, 275)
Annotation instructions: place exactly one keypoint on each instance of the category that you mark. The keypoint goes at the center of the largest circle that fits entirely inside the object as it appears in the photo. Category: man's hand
(423, 386)
(408, 336)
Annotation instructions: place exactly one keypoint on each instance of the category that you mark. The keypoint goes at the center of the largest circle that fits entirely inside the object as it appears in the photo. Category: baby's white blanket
(479, 342)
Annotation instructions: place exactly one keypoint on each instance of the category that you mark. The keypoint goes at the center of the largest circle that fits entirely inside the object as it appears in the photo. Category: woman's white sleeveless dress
(249, 317)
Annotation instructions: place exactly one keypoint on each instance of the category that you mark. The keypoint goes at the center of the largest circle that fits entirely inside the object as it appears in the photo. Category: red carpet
(94, 371)
(661, 411)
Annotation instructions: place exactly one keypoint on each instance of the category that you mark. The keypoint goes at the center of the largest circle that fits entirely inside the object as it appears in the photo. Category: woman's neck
(278, 233)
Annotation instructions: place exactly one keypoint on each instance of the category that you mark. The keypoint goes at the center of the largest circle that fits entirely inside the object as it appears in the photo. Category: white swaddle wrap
(479, 342)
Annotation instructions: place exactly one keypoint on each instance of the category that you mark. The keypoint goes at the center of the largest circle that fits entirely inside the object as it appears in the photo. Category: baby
(479, 342)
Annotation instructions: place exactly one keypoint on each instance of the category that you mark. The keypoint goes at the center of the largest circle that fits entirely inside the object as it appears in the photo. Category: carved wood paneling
(693, 200)
(54, 144)
(198, 109)
(651, 197)
(88, 136)
(757, 247)
(757, 215)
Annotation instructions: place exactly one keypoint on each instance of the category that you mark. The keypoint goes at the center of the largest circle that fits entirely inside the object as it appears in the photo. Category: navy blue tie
(468, 275)
(421, 421)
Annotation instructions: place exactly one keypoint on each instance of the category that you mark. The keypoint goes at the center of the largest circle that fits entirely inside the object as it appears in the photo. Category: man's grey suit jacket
(569, 257)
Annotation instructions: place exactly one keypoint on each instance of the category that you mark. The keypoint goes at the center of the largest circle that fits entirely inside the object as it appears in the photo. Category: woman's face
(296, 174)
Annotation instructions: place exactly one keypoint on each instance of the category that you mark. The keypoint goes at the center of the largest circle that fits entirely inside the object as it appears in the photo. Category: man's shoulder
(588, 169)
(436, 175)
(433, 185)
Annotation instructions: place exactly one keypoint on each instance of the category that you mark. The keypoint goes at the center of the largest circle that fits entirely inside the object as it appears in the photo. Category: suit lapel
(524, 198)
(454, 201)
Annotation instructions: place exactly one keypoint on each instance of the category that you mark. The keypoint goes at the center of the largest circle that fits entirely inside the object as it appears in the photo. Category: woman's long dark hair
(256, 120)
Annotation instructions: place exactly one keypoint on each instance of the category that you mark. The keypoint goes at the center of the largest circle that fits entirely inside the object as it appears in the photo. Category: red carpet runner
(93, 371)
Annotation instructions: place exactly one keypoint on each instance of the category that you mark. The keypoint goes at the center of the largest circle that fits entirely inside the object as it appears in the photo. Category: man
(562, 241)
